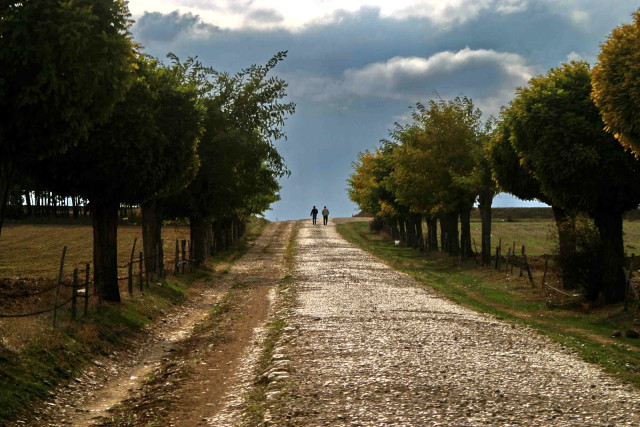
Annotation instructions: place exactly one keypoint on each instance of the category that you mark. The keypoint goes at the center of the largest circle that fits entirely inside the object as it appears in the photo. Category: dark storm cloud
(157, 28)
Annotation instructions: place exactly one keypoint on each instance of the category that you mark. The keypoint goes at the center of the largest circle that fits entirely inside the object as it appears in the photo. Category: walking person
(325, 215)
(314, 214)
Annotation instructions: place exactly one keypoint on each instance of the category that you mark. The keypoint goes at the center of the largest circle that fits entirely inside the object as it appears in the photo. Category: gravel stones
(370, 346)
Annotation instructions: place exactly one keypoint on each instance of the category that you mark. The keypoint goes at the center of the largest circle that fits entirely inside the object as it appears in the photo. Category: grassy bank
(35, 357)
(512, 298)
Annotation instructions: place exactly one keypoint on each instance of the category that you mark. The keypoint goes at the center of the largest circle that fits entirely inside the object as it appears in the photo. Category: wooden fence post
(506, 261)
(86, 290)
(526, 263)
(133, 252)
(161, 259)
(544, 276)
(177, 259)
(55, 301)
(521, 265)
(74, 296)
(184, 254)
(130, 278)
(628, 283)
(155, 260)
(140, 282)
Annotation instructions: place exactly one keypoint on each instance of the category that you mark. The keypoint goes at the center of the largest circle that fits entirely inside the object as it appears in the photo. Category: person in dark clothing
(325, 215)
(314, 214)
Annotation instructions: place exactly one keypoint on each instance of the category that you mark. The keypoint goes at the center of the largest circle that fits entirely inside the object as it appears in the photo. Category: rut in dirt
(369, 346)
(115, 390)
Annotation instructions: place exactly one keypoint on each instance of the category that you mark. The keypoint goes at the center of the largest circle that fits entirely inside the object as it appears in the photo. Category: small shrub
(376, 225)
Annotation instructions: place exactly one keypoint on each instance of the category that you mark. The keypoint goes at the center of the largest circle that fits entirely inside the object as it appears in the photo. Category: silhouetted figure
(314, 214)
(325, 215)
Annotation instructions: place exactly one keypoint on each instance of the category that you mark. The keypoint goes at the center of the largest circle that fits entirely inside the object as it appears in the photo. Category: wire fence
(71, 292)
(521, 262)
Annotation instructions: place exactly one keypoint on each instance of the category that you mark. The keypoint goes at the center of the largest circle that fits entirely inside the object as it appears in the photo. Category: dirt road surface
(363, 345)
(198, 370)
(369, 346)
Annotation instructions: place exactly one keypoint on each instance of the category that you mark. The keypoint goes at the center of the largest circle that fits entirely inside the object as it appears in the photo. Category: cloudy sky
(354, 67)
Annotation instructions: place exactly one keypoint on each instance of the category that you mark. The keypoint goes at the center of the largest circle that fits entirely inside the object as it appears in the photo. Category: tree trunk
(6, 182)
(465, 233)
(565, 223)
(29, 211)
(432, 233)
(450, 221)
(151, 233)
(419, 242)
(485, 200)
(610, 226)
(105, 249)
(198, 234)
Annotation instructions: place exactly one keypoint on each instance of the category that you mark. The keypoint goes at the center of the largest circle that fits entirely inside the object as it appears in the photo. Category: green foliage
(145, 148)
(508, 171)
(368, 183)
(616, 83)
(240, 166)
(437, 156)
(64, 65)
(558, 132)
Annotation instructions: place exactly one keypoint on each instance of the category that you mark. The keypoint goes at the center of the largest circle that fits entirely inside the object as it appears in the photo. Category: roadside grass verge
(257, 406)
(512, 298)
(35, 358)
(31, 370)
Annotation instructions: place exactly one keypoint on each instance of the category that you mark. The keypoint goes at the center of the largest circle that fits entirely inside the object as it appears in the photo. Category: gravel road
(370, 346)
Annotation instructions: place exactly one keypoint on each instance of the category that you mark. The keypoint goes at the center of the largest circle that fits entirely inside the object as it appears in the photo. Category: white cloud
(486, 75)
(296, 14)
(575, 56)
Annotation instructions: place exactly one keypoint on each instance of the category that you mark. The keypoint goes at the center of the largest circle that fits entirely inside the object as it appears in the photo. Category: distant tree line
(570, 139)
(88, 117)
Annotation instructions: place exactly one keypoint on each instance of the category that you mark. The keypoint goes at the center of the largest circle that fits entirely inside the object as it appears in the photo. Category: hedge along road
(370, 346)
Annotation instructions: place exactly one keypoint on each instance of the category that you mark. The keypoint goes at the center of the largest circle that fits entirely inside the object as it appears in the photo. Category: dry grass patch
(33, 250)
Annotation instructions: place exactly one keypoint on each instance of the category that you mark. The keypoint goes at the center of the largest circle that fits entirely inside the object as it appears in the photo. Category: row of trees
(87, 114)
(569, 138)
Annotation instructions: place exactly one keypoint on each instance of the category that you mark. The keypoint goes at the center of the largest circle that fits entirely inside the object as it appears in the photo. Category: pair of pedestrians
(325, 215)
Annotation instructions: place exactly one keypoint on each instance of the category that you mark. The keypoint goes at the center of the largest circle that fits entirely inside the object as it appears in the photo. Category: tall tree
(616, 83)
(239, 163)
(64, 65)
(179, 112)
(440, 164)
(124, 160)
(515, 178)
(559, 133)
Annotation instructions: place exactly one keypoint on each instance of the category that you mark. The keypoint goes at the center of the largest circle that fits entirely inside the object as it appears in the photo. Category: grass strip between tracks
(514, 300)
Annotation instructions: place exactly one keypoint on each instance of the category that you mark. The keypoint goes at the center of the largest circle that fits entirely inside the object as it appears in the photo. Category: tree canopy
(64, 65)
(558, 132)
(616, 83)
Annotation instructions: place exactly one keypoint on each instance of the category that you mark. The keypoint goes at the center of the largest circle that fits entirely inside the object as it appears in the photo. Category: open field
(35, 357)
(513, 298)
(33, 250)
(540, 236)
